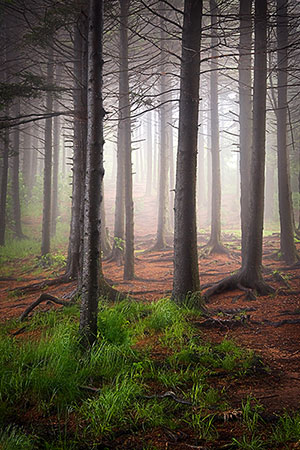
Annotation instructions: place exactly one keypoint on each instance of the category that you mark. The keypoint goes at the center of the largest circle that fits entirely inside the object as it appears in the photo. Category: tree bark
(163, 150)
(56, 148)
(126, 125)
(80, 126)
(149, 155)
(245, 115)
(48, 163)
(93, 178)
(186, 272)
(214, 245)
(15, 177)
(287, 244)
(251, 274)
(4, 180)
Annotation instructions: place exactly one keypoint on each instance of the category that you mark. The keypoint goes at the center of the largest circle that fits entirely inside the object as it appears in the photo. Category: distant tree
(15, 172)
(250, 275)
(186, 272)
(287, 244)
(126, 140)
(214, 245)
(46, 228)
(163, 198)
(74, 261)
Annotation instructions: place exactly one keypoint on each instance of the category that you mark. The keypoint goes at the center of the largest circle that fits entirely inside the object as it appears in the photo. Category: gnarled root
(241, 281)
(43, 298)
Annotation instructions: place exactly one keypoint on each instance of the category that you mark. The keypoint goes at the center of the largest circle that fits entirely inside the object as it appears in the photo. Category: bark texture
(93, 178)
(287, 244)
(126, 124)
(245, 115)
(48, 163)
(186, 272)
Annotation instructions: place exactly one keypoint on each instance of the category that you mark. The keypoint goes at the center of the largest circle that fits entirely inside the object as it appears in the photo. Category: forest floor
(268, 326)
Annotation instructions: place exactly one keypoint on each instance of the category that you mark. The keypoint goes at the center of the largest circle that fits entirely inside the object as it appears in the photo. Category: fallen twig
(42, 298)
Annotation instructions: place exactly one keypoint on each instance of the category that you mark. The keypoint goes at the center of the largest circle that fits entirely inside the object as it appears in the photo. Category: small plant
(204, 426)
(251, 413)
(246, 443)
(15, 439)
(287, 429)
(119, 243)
(108, 410)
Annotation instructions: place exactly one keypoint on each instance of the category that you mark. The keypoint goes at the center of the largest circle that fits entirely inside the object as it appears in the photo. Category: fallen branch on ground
(42, 298)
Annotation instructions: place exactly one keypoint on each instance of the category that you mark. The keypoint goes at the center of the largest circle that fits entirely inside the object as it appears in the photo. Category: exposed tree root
(42, 284)
(160, 248)
(42, 298)
(116, 255)
(211, 249)
(239, 281)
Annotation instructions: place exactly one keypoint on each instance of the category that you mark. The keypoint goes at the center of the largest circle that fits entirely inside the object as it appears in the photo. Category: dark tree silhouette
(287, 244)
(93, 178)
(250, 275)
(48, 162)
(245, 115)
(126, 140)
(186, 272)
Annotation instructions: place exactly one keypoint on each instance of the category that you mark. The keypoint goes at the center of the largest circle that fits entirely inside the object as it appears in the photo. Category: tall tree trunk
(93, 178)
(149, 154)
(48, 162)
(245, 114)
(80, 126)
(214, 245)
(119, 232)
(200, 160)
(4, 180)
(163, 150)
(56, 148)
(251, 274)
(15, 177)
(105, 246)
(287, 244)
(27, 160)
(126, 126)
(186, 272)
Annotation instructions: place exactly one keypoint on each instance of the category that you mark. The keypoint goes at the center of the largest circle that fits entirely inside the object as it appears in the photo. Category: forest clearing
(149, 224)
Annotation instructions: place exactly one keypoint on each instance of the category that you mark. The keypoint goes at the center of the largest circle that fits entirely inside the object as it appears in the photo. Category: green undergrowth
(150, 369)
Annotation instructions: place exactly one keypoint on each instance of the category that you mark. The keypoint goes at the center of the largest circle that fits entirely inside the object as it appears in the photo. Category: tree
(93, 178)
(164, 150)
(214, 245)
(80, 136)
(186, 272)
(126, 140)
(245, 113)
(48, 162)
(287, 244)
(250, 275)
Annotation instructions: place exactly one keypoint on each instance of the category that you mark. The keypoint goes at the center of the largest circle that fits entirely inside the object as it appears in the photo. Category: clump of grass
(113, 326)
(13, 438)
(109, 408)
(165, 314)
(49, 371)
(287, 429)
(253, 442)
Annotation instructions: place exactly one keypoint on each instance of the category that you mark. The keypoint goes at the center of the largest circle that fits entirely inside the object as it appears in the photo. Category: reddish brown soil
(278, 346)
